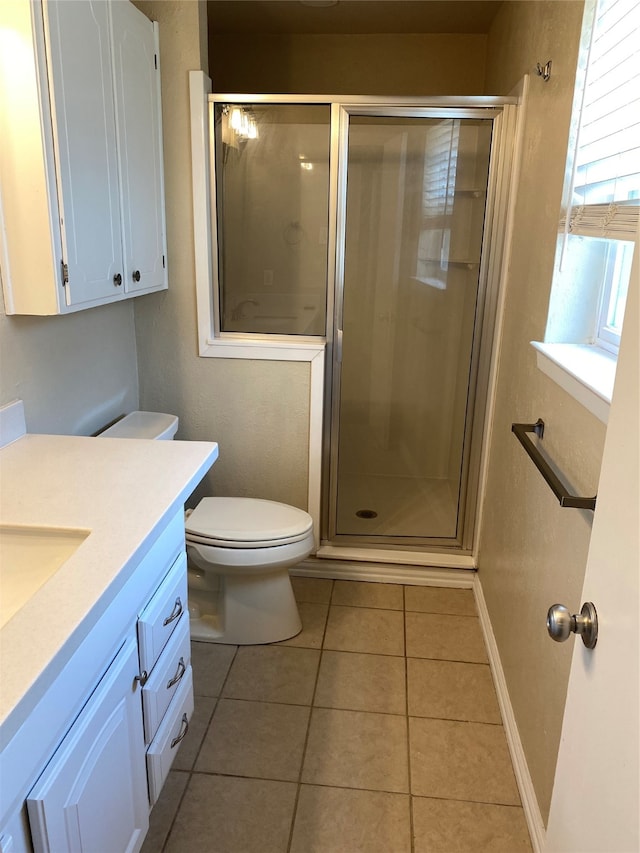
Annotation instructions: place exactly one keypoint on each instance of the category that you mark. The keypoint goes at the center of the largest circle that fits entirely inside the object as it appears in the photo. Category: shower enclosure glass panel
(272, 200)
(415, 207)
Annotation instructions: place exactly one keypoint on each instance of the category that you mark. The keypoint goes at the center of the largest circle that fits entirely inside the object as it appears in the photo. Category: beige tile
(222, 814)
(353, 749)
(359, 594)
(335, 820)
(273, 674)
(451, 691)
(360, 629)
(312, 590)
(210, 662)
(361, 682)
(450, 826)
(461, 761)
(432, 635)
(255, 739)
(164, 811)
(314, 619)
(198, 725)
(435, 599)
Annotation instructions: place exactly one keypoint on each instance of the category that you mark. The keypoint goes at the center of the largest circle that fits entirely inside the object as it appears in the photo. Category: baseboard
(384, 573)
(532, 813)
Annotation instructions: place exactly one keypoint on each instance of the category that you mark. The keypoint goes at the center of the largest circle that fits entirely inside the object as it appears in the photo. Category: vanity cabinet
(92, 757)
(81, 174)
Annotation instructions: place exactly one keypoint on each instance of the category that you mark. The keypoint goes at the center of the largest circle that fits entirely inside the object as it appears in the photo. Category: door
(79, 62)
(93, 795)
(596, 792)
(137, 91)
(410, 293)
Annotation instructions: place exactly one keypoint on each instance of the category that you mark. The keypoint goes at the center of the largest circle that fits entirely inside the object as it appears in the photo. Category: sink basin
(29, 556)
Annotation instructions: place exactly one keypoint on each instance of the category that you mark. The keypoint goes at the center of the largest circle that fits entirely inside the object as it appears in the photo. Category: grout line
(353, 788)
(406, 705)
(177, 811)
(353, 710)
(312, 709)
(306, 739)
(191, 771)
(303, 784)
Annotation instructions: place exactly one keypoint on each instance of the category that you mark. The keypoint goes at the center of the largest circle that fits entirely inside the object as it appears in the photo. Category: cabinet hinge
(163, 262)
(155, 60)
(65, 272)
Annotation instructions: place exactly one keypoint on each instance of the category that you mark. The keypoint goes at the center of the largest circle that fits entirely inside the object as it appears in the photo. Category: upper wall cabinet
(81, 181)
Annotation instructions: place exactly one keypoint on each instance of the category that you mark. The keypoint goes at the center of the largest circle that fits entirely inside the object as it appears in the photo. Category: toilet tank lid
(154, 425)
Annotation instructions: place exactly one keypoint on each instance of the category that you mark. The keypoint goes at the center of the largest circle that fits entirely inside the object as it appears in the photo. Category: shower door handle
(338, 344)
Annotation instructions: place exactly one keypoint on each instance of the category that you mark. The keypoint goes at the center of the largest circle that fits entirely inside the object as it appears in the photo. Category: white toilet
(240, 551)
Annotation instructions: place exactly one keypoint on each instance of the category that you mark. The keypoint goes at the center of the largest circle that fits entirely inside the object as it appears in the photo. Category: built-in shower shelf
(469, 265)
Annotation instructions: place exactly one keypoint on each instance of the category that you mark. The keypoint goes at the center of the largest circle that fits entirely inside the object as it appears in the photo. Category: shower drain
(367, 513)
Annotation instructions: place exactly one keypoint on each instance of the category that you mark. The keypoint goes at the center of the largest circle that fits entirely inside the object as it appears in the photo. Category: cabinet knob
(117, 279)
(136, 275)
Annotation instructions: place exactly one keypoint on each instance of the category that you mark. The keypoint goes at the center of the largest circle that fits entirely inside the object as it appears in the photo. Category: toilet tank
(154, 425)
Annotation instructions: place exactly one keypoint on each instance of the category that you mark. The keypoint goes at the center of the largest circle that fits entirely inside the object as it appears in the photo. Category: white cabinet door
(137, 82)
(81, 171)
(83, 114)
(92, 795)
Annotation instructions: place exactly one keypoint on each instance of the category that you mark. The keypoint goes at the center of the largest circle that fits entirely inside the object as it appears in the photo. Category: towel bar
(565, 498)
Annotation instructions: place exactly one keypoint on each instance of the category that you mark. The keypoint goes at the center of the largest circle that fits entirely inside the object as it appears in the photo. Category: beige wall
(258, 412)
(532, 552)
(397, 64)
(74, 373)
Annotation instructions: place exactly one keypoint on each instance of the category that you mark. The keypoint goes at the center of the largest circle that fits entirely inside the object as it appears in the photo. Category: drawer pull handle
(179, 673)
(184, 728)
(176, 613)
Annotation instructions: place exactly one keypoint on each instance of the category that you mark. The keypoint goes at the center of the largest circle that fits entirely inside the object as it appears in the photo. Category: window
(597, 232)
(272, 195)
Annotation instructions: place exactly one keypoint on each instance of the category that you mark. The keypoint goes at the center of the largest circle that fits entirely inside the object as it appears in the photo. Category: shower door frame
(501, 111)
(319, 352)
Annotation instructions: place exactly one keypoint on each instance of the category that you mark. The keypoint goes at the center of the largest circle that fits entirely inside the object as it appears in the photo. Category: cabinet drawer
(163, 614)
(173, 728)
(166, 677)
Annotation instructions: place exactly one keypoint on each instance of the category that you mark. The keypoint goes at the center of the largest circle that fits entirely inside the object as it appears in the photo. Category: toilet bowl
(240, 551)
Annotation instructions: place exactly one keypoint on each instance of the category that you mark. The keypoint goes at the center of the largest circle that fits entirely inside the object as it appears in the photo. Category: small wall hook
(544, 71)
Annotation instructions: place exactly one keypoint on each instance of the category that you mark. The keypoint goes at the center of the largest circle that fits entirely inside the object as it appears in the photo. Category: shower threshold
(441, 559)
(385, 566)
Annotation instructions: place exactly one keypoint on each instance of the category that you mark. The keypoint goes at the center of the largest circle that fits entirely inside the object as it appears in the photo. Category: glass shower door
(415, 208)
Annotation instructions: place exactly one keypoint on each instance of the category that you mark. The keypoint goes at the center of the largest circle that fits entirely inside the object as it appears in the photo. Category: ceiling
(352, 16)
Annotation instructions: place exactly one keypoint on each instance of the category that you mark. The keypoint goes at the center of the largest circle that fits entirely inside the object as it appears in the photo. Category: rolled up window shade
(606, 185)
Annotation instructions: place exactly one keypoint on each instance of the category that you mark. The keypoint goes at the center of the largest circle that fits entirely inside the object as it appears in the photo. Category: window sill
(273, 348)
(585, 371)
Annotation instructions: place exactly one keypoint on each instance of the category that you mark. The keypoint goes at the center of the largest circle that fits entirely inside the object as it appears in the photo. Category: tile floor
(376, 729)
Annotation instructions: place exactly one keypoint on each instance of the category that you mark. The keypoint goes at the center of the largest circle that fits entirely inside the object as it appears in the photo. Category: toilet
(240, 551)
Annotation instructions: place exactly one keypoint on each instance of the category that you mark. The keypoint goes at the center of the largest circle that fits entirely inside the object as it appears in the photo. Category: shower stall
(381, 223)
(407, 326)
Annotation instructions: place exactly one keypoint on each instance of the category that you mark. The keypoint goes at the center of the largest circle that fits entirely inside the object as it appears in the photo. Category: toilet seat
(246, 523)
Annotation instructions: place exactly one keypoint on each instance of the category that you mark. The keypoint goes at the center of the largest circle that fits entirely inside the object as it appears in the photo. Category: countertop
(120, 490)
